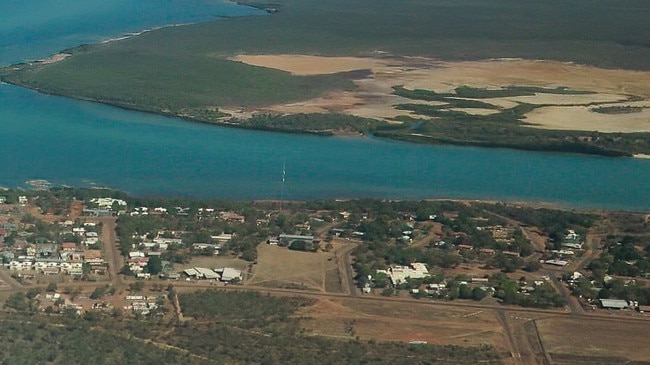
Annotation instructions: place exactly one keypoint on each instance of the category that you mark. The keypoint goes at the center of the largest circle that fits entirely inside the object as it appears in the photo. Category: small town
(119, 257)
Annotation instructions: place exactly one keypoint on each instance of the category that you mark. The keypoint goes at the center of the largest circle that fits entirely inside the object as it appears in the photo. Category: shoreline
(596, 151)
(535, 204)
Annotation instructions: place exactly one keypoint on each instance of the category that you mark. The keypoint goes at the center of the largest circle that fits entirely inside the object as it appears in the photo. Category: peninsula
(576, 79)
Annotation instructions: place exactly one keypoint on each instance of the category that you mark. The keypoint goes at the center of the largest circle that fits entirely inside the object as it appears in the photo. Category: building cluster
(143, 304)
(572, 240)
(400, 274)
(223, 274)
(500, 233)
(571, 243)
(30, 255)
(202, 213)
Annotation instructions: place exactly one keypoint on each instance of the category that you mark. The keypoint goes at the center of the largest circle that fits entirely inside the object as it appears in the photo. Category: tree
(478, 294)
(381, 280)
(85, 269)
(98, 292)
(532, 266)
(74, 293)
(93, 316)
(136, 287)
(154, 265)
(117, 313)
(116, 207)
(17, 301)
(51, 287)
(464, 291)
(249, 255)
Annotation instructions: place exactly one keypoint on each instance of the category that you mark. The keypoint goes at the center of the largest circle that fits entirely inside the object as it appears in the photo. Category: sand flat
(310, 65)
(374, 94)
(560, 99)
(581, 118)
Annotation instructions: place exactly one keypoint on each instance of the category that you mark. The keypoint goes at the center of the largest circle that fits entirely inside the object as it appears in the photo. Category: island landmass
(467, 74)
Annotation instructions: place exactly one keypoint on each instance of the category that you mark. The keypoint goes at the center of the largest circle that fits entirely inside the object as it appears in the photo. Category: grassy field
(284, 268)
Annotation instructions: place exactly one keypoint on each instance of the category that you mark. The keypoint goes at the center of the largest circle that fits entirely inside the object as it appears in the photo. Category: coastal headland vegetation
(465, 72)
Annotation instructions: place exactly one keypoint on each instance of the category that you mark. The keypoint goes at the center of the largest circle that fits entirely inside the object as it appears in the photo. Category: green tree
(532, 266)
(478, 294)
(51, 287)
(136, 287)
(98, 292)
(464, 292)
(17, 301)
(154, 265)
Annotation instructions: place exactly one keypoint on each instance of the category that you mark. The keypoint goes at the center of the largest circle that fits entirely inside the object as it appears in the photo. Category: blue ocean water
(31, 29)
(78, 143)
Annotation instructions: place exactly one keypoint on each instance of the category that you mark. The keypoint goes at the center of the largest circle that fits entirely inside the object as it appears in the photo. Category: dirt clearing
(404, 322)
(283, 268)
(595, 338)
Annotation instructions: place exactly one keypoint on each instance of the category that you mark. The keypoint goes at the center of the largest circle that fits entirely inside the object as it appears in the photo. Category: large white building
(400, 274)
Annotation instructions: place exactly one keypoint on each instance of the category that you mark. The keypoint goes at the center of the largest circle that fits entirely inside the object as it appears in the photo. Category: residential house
(68, 247)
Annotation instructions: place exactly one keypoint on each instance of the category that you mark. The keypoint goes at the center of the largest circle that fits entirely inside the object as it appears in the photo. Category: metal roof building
(229, 274)
(206, 273)
(614, 303)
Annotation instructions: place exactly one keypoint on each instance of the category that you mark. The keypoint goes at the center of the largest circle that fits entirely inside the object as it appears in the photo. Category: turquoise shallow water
(32, 29)
(77, 143)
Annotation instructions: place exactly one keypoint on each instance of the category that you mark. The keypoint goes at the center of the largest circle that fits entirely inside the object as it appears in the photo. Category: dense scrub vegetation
(40, 340)
(245, 308)
(230, 327)
(315, 123)
(35, 341)
(225, 345)
(617, 109)
(504, 129)
(259, 329)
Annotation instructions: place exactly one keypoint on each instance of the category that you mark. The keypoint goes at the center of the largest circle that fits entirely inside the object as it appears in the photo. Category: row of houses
(227, 216)
(47, 267)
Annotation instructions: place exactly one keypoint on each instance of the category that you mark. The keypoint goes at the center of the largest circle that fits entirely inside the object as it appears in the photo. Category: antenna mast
(284, 175)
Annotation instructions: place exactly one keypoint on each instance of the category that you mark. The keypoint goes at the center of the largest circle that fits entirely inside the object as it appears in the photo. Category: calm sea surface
(79, 143)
